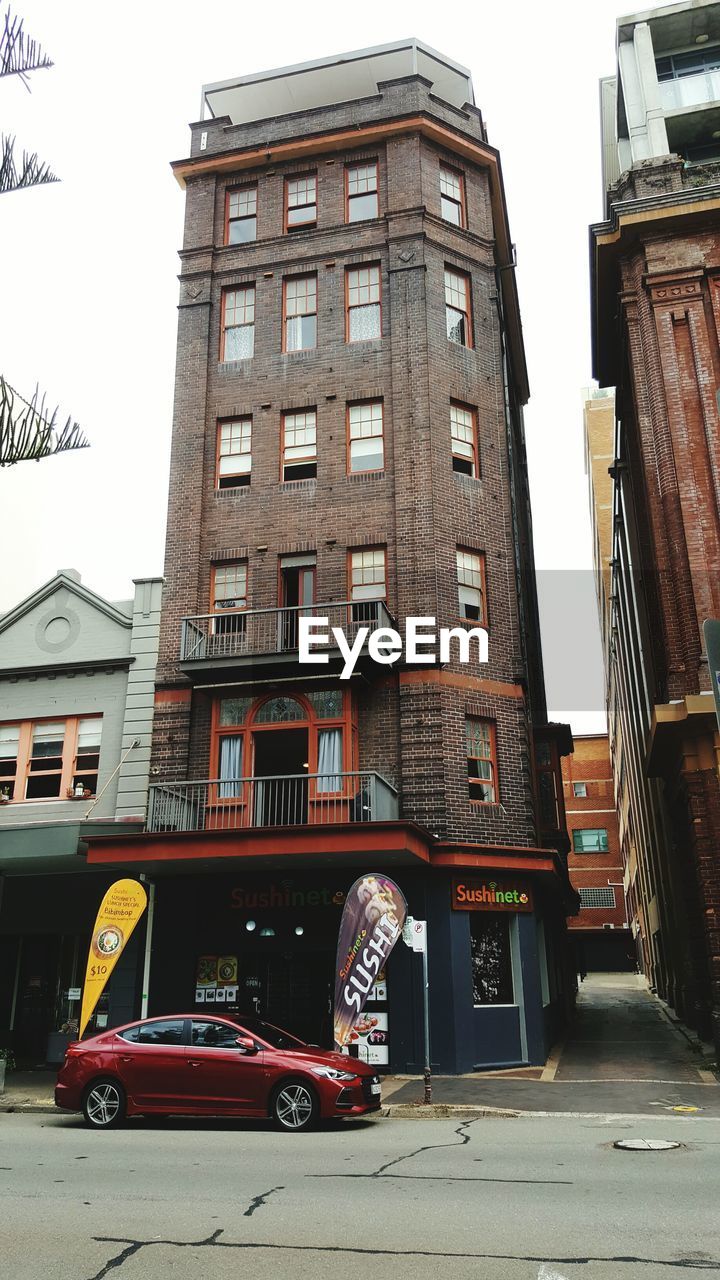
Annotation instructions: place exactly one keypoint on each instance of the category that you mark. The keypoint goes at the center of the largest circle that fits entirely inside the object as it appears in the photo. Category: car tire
(104, 1104)
(294, 1106)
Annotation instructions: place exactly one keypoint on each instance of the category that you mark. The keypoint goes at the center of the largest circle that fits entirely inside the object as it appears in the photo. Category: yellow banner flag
(120, 910)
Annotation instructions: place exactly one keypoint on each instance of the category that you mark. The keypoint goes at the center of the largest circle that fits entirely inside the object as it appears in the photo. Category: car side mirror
(246, 1044)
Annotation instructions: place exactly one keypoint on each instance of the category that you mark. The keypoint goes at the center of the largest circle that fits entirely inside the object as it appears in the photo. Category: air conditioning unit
(608, 926)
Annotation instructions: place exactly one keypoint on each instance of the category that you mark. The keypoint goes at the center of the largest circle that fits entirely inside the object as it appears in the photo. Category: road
(531, 1198)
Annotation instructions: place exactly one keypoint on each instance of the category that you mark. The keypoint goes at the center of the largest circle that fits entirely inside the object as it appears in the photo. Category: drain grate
(645, 1144)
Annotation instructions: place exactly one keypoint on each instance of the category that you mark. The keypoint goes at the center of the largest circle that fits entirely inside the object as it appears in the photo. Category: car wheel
(104, 1104)
(294, 1106)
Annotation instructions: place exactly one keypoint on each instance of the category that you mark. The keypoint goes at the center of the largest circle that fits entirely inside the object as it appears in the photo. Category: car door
(152, 1064)
(220, 1075)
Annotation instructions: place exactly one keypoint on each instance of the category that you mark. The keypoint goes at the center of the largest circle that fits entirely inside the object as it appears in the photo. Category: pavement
(626, 1054)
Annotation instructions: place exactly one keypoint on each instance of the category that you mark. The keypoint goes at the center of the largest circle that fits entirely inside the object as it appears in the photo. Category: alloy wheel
(103, 1104)
(294, 1106)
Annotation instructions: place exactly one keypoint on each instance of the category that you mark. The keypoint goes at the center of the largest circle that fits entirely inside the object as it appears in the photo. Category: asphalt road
(491, 1199)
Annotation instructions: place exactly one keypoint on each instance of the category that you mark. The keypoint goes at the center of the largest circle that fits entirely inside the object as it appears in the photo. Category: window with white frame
(367, 584)
(457, 307)
(241, 215)
(362, 191)
(365, 436)
(471, 585)
(452, 195)
(299, 450)
(301, 201)
(234, 453)
(463, 432)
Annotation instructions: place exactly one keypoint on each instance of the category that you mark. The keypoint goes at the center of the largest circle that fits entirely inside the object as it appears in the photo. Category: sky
(88, 266)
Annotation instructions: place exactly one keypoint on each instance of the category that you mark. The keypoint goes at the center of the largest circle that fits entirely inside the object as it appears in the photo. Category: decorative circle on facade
(59, 626)
(57, 630)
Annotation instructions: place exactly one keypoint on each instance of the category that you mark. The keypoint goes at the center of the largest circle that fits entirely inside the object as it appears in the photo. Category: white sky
(88, 267)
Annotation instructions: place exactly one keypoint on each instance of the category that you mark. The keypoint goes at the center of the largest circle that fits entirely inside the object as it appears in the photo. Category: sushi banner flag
(120, 910)
(372, 921)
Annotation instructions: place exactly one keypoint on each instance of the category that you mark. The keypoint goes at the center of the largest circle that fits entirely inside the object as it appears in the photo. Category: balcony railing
(690, 91)
(230, 804)
(240, 633)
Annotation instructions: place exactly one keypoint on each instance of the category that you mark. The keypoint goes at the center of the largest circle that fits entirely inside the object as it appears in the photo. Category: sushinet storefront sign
(421, 643)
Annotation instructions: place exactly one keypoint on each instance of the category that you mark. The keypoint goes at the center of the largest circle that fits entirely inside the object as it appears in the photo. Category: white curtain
(329, 760)
(230, 766)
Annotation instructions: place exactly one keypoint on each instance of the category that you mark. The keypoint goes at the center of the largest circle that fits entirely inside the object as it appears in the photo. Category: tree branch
(19, 53)
(28, 433)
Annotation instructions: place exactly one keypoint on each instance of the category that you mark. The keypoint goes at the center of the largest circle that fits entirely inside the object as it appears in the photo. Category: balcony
(283, 801)
(690, 91)
(212, 642)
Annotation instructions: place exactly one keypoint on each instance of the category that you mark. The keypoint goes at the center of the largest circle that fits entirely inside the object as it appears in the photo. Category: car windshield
(273, 1036)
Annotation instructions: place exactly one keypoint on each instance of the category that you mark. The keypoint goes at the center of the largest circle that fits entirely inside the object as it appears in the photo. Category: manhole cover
(645, 1144)
(686, 1110)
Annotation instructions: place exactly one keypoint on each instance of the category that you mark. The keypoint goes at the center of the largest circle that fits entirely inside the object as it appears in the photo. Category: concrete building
(76, 689)
(348, 442)
(600, 931)
(655, 269)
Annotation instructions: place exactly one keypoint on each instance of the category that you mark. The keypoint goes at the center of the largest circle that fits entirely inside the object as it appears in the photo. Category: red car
(194, 1065)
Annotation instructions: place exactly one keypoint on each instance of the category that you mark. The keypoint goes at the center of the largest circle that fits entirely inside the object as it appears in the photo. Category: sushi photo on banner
(372, 921)
(120, 910)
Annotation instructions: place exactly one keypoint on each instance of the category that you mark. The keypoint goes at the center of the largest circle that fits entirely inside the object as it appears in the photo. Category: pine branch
(31, 173)
(28, 432)
(19, 53)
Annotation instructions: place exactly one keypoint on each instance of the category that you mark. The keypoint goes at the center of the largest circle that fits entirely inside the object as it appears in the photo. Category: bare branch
(19, 53)
(30, 173)
(28, 432)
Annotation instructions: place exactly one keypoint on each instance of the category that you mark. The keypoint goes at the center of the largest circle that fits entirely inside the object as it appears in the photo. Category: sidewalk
(624, 1055)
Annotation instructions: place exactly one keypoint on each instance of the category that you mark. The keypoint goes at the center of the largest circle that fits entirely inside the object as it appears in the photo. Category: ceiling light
(267, 933)
(299, 930)
(701, 39)
(250, 925)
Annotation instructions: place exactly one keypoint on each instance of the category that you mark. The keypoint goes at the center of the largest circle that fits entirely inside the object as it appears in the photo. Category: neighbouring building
(600, 931)
(348, 443)
(77, 679)
(655, 272)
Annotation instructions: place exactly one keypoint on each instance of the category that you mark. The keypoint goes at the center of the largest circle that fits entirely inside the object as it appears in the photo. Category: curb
(443, 1111)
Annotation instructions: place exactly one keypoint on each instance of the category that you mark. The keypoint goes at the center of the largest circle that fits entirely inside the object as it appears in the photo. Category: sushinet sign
(422, 643)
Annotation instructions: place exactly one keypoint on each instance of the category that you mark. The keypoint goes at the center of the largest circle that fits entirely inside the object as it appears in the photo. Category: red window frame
(246, 217)
(459, 201)
(360, 404)
(451, 305)
(480, 556)
(308, 275)
(310, 204)
(298, 462)
(228, 422)
(363, 266)
(491, 759)
(474, 444)
(350, 196)
(225, 328)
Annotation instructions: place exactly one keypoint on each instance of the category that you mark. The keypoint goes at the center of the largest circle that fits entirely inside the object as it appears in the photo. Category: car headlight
(332, 1073)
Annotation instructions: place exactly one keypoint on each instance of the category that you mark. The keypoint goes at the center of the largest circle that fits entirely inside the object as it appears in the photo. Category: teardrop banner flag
(120, 910)
(372, 921)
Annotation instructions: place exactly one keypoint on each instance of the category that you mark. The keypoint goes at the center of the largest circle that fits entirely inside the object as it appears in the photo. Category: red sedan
(191, 1065)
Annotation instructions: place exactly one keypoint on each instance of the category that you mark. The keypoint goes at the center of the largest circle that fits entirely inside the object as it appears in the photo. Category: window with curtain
(329, 760)
(363, 303)
(301, 313)
(230, 766)
(238, 323)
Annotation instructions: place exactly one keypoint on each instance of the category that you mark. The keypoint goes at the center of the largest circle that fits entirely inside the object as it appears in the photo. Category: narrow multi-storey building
(348, 445)
(656, 320)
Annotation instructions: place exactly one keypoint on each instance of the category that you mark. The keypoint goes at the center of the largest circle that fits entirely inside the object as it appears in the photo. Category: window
(579, 789)
(301, 201)
(604, 897)
(299, 451)
(481, 761)
(452, 195)
(229, 599)
(365, 437)
(214, 1035)
(241, 215)
(463, 432)
(234, 459)
(130, 1033)
(300, 320)
(547, 774)
(471, 585)
(166, 1032)
(361, 191)
(238, 323)
(363, 304)
(590, 840)
(491, 958)
(49, 759)
(677, 65)
(367, 584)
(457, 307)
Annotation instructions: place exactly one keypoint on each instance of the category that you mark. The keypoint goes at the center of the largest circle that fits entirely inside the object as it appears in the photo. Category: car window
(130, 1033)
(214, 1035)
(271, 1035)
(169, 1032)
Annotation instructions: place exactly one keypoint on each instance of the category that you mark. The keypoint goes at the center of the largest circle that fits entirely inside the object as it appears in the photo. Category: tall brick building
(348, 443)
(599, 931)
(656, 321)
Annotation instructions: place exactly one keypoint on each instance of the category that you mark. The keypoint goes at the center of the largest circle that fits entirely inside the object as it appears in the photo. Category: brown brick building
(656, 318)
(600, 931)
(348, 444)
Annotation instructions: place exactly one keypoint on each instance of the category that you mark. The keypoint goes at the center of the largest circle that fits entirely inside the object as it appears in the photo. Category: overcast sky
(88, 288)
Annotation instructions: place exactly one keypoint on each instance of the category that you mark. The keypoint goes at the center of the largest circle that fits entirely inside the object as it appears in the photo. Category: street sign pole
(426, 1011)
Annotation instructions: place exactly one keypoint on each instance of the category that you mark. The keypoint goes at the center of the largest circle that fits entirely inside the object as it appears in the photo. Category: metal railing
(239, 633)
(229, 804)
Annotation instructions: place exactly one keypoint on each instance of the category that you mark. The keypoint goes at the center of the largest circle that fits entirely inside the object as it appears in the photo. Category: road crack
(257, 1201)
(433, 1146)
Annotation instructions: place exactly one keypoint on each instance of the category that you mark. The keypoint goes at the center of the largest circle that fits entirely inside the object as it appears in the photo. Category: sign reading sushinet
(372, 921)
(491, 895)
(385, 644)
